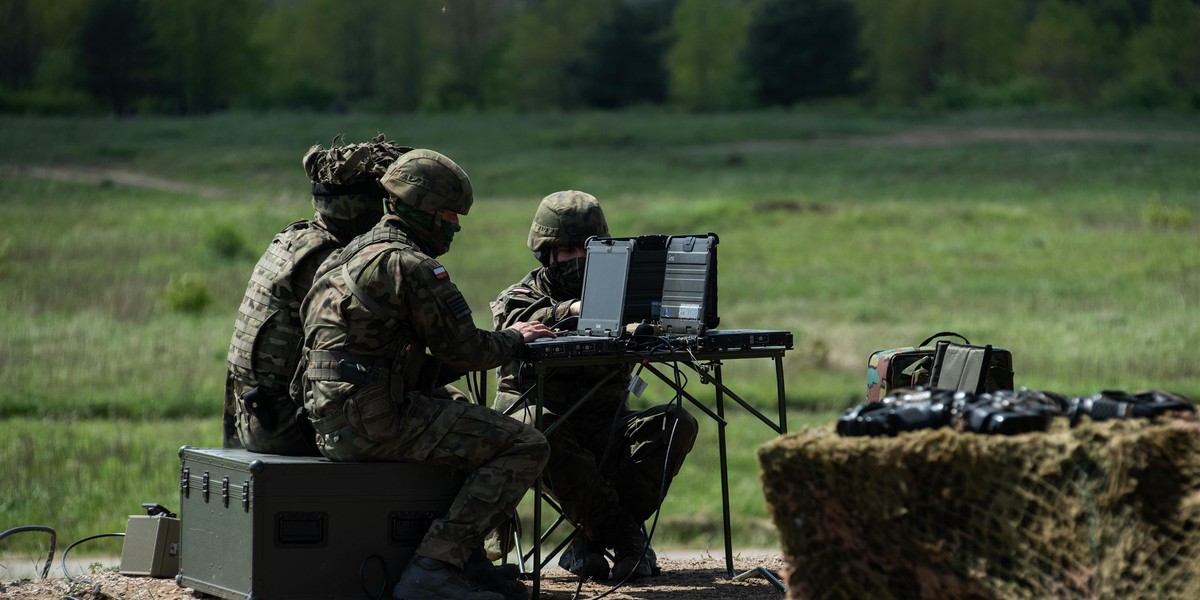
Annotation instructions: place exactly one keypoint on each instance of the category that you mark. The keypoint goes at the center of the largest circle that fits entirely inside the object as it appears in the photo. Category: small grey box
(264, 526)
(151, 546)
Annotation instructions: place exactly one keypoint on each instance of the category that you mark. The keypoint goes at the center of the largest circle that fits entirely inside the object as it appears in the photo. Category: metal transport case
(264, 526)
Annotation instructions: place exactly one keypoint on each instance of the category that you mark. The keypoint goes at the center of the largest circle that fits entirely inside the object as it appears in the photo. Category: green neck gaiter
(439, 234)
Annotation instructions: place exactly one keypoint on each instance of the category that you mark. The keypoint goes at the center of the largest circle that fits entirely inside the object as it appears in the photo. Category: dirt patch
(102, 176)
(943, 137)
(930, 137)
(682, 579)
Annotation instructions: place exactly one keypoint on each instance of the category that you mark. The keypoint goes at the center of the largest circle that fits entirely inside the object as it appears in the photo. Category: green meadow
(1072, 239)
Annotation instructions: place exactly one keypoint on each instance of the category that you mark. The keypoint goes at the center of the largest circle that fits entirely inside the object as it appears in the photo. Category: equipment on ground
(943, 365)
(151, 545)
(267, 526)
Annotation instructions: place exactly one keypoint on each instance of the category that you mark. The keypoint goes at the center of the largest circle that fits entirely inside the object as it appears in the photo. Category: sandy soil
(683, 579)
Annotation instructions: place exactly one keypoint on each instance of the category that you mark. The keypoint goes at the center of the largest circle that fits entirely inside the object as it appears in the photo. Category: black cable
(662, 490)
(517, 404)
(599, 475)
(53, 541)
(475, 387)
(76, 543)
(678, 399)
(362, 567)
(564, 320)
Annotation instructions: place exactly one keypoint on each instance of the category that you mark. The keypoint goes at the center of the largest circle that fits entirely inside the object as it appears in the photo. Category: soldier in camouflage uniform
(261, 412)
(607, 462)
(374, 310)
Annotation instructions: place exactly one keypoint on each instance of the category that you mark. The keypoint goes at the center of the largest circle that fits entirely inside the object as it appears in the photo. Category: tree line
(200, 56)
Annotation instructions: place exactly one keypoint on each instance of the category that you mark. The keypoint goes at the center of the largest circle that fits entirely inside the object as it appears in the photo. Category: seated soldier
(374, 310)
(261, 413)
(609, 466)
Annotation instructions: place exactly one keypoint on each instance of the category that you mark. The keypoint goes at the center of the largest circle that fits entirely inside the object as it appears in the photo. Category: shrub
(45, 102)
(226, 241)
(188, 293)
(1155, 214)
(955, 93)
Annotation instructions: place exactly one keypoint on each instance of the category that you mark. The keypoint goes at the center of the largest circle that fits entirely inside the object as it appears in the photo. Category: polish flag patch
(440, 272)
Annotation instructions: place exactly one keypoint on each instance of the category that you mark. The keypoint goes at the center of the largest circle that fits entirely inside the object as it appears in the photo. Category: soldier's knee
(686, 425)
(531, 443)
(685, 418)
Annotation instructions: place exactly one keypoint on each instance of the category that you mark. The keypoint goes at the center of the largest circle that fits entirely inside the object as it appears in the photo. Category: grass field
(1071, 239)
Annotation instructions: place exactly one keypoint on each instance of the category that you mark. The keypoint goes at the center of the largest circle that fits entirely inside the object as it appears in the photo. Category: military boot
(585, 559)
(500, 579)
(431, 579)
(634, 559)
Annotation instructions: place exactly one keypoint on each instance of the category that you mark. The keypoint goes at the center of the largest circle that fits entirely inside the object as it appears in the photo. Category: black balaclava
(565, 278)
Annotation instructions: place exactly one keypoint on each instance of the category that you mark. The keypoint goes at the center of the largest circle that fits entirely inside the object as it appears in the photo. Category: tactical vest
(407, 357)
(268, 333)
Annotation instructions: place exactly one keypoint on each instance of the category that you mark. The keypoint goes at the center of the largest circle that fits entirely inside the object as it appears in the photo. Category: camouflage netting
(1104, 510)
(351, 163)
(346, 191)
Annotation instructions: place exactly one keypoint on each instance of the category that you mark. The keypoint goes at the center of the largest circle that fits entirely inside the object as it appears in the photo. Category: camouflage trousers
(500, 457)
(609, 473)
(290, 433)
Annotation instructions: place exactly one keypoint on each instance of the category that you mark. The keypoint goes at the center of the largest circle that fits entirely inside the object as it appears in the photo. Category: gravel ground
(702, 578)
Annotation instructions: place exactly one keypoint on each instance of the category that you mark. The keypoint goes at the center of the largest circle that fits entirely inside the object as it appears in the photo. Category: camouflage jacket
(531, 300)
(411, 303)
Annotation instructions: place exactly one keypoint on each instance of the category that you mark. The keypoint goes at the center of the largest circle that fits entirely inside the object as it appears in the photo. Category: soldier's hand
(532, 330)
(575, 307)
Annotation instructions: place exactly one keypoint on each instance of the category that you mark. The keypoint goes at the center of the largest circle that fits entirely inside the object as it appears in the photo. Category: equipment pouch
(374, 412)
(253, 402)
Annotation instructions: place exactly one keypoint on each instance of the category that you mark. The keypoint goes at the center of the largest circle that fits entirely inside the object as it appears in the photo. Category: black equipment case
(264, 526)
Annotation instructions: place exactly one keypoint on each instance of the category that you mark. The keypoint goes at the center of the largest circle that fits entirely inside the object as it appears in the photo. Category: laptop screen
(604, 284)
(669, 279)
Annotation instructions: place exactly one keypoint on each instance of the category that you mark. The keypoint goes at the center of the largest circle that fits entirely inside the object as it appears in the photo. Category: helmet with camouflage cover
(565, 220)
(427, 181)
(345, 178)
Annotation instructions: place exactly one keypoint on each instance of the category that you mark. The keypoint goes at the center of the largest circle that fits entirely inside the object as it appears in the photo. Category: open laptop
(668, 280)
(606, 303)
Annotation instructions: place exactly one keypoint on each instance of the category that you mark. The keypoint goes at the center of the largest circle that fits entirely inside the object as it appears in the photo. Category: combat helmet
(345, 178)
(427, 181)
(566, 219)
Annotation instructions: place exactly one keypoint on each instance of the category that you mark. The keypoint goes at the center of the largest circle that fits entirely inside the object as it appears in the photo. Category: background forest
(200, 56)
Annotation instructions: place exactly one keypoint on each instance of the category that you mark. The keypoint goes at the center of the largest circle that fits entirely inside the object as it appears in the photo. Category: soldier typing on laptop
(607, 462)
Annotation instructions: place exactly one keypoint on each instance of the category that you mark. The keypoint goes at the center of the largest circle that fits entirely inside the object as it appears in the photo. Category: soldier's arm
(442, 318)
(519, 303)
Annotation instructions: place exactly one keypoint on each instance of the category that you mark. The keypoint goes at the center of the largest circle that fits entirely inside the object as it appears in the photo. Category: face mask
(567, 276)
(438, 233)
(446, 232)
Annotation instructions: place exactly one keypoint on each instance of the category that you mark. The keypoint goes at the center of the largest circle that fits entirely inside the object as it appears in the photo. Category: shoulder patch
(458, 306)
(439, 272)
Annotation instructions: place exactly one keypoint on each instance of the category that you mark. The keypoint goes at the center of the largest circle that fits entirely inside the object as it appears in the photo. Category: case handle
(941, 334)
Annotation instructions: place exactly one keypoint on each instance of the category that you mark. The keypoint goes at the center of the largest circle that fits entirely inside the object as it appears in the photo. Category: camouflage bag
(912, 366)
